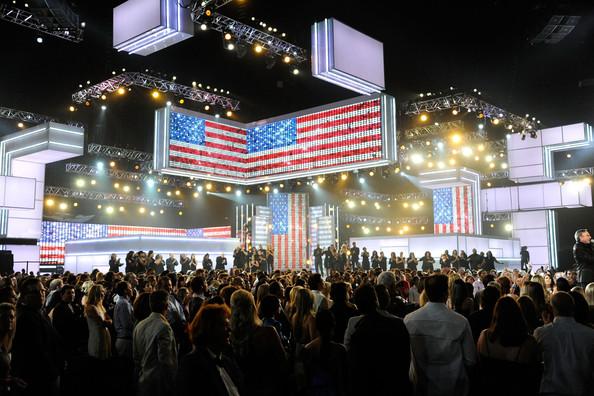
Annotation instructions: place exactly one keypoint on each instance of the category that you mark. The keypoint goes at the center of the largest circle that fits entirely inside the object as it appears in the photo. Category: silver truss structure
(58, 20)
(117, 152)
(500, 174)
(470, 103)
(503, 216)
(424, 132)
(144, 80)
(576, 172)
(93, 171)
(113, 197)
(29, 117)
(373, 196)
(375, 220)
(244, 33)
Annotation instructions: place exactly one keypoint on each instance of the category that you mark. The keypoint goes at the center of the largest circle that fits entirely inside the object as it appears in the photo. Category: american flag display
(452, 210)
(54, 235)
(289, 230)
(341, 136)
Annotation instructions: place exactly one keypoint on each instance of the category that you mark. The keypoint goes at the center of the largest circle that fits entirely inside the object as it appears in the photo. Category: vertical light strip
(552, 237)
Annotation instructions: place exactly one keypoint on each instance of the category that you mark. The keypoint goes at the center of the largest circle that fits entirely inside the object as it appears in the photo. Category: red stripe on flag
(458, 217)
(225, 147)
(214, 135)
(174, 148)
(466, 210)
(222, 127)
(345, 109)
(343, 121)
(192, 161)
(300, 225)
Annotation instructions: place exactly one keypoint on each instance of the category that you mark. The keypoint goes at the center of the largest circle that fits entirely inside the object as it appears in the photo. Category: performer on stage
(114, 263)
(524, 258)
(583, 254)
(317, 253)
(270, 259)
(207, 262)
(365, 262)
(171, 263)
(221, 262)
(354, 256)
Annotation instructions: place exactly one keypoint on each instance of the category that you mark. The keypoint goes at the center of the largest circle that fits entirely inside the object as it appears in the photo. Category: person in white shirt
(316, 284)
(441, 342)
(568, 351)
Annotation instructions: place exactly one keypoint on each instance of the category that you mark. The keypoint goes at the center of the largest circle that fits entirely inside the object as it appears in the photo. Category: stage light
(238, 193)
(377, 205)
(93, 182)
(407, 167)
(287, 59)
(509, 227)
(423, 228)
(258, 48)
(155, 94)
(488, 184)
(428, 143)
(228, 36)
(348, 226)
(362, 180)
(397, 170)
(440, 145)
(99, 206)
(466, 151)
(49, 202)
(168, 193)
(109, 209)
(401, 232)
(141, 210)
(405, 205)
(452, 161)
(71, 108)
(320, 179)
(503, 165)
(344, 176)
(363, 203)
(230, 47)
(492, 165)
(122, 209)
(371, 173)
(365, 230)
(496, 121)
(39, 40)
(455, 112)
(228, 189)
(203, 27)
(416, 158)
(126, 188)
(266, 189)
(423, 117)
(208, 186)
(207, 107)
(103, 107)
(440, 165)
(80, 182)
(480, 126)
(229, 113)
(430, 164)
(103, 97)
(21, 125)
(200, 188)
(492, 225)
(415, 206)
(275, 191)
(315, 186)
(456, 138)
(161, 211)
(217, 115)
(295, 71)
(405, 228)
(481, 147)
(75, 204)
(177, 192)
(116, 185)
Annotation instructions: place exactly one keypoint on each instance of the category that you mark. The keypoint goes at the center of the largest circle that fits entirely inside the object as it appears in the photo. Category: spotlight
(121, 91)
(230, 46)
(195, 195)
(49, 202)
(351, 204)
(466, 151)
(161, 211)
(228, 189)
(152, 213)
(168, 193)
(80, 183)
(363, 203)
(112, 164)
(509, 227)
(258, 48)
(228, 36)
(39, 40)
(492, 165)
(150, 183)
(126, 188)
(177, 192)
(168, 103)
(200, 188)
(266, 189)
(320, 180)
(287, 59)
(480, 126)
(504, 165)
(75, 204)
(452, 161)
(208, 186)
(103, 107)
(496, 121)
(344, 176)
(71, 108)
(109, 209)
(371, 173)
(21, 125)
(362, 180)
(440, 145)
(99, 206)
(141, 210)
(116, 185)
(397, 170)
(424, 117)
(103, 97)
(203, 27)
(456, 138)
(295, 71)
(275, 191)
(415, 206)
(455, 112)
(155, 94)
(238, 193)
(416, 158)
(207, 107)
(229, 113)
(315, 186)
(93, 182)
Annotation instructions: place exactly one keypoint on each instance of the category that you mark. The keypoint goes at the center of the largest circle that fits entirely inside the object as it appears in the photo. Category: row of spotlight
(109, 209)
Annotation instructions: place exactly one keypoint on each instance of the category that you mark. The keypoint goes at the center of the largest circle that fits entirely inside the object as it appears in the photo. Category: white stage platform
(89, 254)
(506, 250)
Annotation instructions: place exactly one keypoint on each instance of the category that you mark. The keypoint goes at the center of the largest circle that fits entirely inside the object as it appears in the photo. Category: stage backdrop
(289, 230)
(353, 134)
(54, 235)
(452, 210)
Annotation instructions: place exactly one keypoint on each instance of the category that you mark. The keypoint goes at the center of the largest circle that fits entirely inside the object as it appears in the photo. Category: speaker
(6, 262)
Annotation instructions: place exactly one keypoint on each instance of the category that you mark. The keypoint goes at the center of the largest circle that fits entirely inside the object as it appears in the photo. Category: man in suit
(69, 322)
(221, 262)
(240, 257)
(318, 252)
(154, 350)
(171, 263)
(583, 254)
(475, 260)
(217, 374)
(354, 256)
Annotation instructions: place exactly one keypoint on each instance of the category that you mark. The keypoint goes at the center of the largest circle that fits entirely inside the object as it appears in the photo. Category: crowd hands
(339, 328)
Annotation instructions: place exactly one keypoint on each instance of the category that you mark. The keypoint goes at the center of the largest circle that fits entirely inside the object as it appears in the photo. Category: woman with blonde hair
(589, 294)
(99, 344)
(303, 320)
(258, 348)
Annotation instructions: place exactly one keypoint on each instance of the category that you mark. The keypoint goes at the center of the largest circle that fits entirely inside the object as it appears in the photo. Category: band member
(524, 258)
(383, 261)
(365, 257)
(114, 263)
(270, 259)
(583, 254)
(239, 258)
(354, 256)
(317, 253)
(207, 262)
(221, 262)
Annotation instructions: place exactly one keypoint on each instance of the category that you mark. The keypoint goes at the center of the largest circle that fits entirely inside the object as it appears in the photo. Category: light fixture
(287, 59)
(99, 206)
(228, 36)
(258, 48)
(116, 185)
(109, 209)
(456, 138)
(275, 191)
(344, 176)
(75, 204)
(49, 202)
(423, 117)
(203, 27)
(208, 186)
(177, 192)
(122, 209)
(93, 182)
(362, 180)
(238, 193)
(103, 107)
(229, 113)
(126, 188)
(141, 210)
(228, 189)
(80, 182)
(155, 94)
(509, 227)
(295, 71)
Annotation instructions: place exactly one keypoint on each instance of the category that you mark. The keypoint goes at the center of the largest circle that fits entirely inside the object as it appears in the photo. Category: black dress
(365, 261)
(411, 263)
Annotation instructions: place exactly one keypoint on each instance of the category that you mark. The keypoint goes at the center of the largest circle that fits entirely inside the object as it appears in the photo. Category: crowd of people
(385, 329)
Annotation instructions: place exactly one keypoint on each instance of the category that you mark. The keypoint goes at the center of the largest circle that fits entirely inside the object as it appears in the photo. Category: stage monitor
(346, 57)
(357, 133)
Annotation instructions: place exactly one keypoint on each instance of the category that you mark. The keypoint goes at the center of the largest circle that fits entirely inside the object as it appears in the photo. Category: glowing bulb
(258, 48)
(126, 188)
(456, 138)
(141, 210)
(112, 164)
(504, 165)
(416, 159)
(109, 209)
(122, 209)
(228, 189)
(405, 205)
(208, 186)
(116, 185)
(155, 94)
(424, 117)
(466, 151)
(343, 176)
(49, 202)
(121, 91)
(509, 227)
(452, 161)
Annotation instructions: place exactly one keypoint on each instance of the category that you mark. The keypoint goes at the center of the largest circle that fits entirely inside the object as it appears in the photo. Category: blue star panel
(442, 206)
(186, 129)
(196, 233)
(270, 136)
(279, 205)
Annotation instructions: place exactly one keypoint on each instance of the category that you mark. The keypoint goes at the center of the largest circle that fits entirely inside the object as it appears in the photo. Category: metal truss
(59, 20)
(375, 220)
(424, 132)
(33, 118)
(372, 196)
(143, 80)
(577, 172)
(503, 216)
(115, 197)
(556, 29)
(93, 171)
(242, 32)
(500, 174)
(472, 103)
(117, 152)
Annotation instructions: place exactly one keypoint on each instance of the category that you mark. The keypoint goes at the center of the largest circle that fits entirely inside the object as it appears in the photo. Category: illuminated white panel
(135, 17)
(551, 136)
(531, 197)
(345, 57)
(574, 133)
(24, 228)
(525, 157)
(25, 257)
(531, 228)
(19, 193)
(551, 193)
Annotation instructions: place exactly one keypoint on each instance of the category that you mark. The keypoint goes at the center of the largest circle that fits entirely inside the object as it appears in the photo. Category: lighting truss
(143, 80)
(500, 174)
(117, 152)
(243, 32)
(115, 197)
(93, 171)
(375, 220)
(424, 132)
(373, 196)
(59, 21)
(556, 29)
(33, 118)
(503, 216)
(576, 172)
(472, 103)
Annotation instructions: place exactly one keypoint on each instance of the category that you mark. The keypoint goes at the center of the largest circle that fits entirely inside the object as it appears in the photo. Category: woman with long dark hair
(375, 261)
(428, 262)
(506, 349)
(412, 262)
